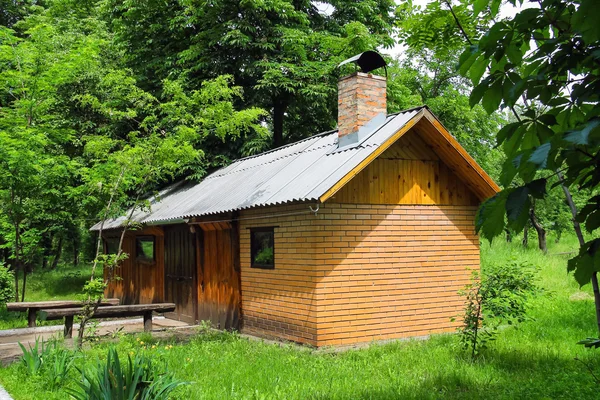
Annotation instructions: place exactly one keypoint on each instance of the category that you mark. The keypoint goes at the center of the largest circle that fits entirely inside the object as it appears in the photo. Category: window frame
(262, 229)
(138, 257)
(107, 239)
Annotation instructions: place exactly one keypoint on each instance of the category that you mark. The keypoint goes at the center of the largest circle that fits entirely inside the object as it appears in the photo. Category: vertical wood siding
(218, 277)
(409, 172)
(281, 302)
(139, 283)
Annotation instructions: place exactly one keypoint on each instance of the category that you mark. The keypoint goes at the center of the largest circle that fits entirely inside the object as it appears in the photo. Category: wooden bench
(144, 310)
(32, 307)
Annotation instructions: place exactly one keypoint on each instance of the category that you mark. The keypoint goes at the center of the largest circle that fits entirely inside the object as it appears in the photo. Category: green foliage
(286, 52)
(264, 256)
(60, 361)
(34, 358)
(499, 296)
(138, 379)
(7, 288)
(543, 63)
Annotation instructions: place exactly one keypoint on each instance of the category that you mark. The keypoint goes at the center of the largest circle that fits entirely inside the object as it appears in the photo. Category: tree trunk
(47, 243)
(279, 108)
(76, 253)
(541, 232)
(526, 235)
(579, 233)
(24, 283)
(17, 260)
(58, 253)
(508, 235)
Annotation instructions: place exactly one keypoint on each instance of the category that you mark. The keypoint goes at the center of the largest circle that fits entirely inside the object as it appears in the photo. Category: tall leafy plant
(112, 380)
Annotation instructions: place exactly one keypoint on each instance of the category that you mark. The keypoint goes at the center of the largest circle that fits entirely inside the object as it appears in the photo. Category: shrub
(112, 381)
(498, 297)
(7, 285)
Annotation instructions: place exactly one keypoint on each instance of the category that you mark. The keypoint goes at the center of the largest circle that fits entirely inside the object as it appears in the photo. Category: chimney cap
(367, 61)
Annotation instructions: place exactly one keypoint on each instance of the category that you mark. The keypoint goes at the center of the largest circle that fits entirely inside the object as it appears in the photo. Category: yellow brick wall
(281, 302)
(358, 273)
(391, 271)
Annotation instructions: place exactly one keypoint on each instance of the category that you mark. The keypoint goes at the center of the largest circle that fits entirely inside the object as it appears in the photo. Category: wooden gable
(408, 172)
(421, 164)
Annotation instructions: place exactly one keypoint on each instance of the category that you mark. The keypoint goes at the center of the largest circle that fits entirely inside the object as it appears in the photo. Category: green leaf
(593, 221)
(514, 54)
(515, 203)
(537, 188)
(478, 69)
(478, 92)
(490, 217)
(540, 155)
(585, 263)
(582, 136)
(492, 97)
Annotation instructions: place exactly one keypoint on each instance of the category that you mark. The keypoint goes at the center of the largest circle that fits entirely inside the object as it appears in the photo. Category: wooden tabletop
(24, 306)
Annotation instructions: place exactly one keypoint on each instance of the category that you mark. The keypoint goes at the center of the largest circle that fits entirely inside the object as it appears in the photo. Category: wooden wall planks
(139, 282)
(409, 172)
(219, 282)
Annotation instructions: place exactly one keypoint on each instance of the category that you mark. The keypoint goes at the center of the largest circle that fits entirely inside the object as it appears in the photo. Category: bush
(498, 297)
(136, 380)
(7, 285)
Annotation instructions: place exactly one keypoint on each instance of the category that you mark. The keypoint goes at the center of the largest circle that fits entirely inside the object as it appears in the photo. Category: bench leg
(148, 321)
(69, 327)
(31, 316)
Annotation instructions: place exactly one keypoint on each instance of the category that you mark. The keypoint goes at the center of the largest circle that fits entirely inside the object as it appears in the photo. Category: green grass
(64, 283)
(535, 360)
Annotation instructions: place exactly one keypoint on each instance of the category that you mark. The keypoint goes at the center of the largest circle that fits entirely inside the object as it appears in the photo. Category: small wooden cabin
(359, 234)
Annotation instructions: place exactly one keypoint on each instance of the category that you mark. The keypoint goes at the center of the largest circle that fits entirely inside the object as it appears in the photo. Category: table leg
(148, 321)
(69, 327)
(31, 316)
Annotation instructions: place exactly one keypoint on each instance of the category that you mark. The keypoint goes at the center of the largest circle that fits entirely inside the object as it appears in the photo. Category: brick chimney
(361, 96)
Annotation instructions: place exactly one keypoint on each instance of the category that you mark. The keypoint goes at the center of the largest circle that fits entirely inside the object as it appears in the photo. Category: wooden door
(219, 292)
(180, 272)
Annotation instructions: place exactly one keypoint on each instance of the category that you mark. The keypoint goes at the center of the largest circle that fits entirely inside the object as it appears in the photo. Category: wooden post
(148, 321)
(31, 316)
(68, 326)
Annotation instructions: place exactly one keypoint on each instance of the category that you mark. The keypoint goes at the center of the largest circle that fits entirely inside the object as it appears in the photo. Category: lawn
(535, 360)
(63, 283)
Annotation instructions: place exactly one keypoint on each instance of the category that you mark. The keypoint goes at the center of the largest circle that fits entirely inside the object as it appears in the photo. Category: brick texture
(360, 98)
(358, 273)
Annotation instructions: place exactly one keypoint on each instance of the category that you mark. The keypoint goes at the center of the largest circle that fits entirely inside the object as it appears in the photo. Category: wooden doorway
(180, 272)
(219, 299)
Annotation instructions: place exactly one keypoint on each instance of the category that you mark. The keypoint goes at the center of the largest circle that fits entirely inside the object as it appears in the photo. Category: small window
(144, 248)
(262, 243)
(111, 245)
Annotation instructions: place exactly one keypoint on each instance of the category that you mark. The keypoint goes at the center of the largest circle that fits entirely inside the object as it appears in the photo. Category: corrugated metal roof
(301, 171)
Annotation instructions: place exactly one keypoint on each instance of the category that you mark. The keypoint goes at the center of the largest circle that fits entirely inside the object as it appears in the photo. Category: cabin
(360, 234)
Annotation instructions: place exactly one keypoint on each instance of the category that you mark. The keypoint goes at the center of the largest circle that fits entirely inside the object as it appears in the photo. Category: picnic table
(32, 307)
(144, 310)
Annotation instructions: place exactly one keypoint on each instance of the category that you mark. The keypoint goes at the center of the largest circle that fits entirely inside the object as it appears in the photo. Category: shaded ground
(9, 340)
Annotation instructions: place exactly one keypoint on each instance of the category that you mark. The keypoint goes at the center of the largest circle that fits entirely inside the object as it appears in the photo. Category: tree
(282, 53)
(543, 65)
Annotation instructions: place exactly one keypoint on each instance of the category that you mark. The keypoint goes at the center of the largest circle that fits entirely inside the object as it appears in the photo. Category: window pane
(111, 245)
(144, 247)
(263, 249)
